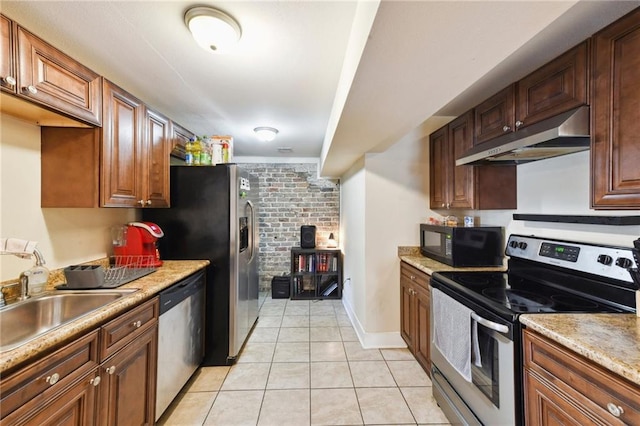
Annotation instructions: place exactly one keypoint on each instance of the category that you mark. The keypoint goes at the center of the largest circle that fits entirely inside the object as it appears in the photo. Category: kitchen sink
(23, 321)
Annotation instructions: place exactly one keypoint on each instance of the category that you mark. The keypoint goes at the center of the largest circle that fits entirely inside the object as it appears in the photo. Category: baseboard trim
(387, 340)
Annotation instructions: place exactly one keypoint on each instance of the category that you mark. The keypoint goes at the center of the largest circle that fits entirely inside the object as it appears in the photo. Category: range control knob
(623, 262)
(605, 259)
(522, 245)
(513, 244)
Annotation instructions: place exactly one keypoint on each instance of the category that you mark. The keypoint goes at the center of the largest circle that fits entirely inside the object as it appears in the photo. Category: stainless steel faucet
(24, 285)
(24, 280)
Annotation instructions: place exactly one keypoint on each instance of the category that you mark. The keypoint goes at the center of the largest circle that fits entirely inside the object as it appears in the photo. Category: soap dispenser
(38, 275)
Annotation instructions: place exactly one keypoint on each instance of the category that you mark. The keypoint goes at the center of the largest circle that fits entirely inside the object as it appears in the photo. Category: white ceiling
(355, 76)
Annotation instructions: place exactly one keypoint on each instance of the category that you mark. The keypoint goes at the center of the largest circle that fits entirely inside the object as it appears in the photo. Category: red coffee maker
(140, 239)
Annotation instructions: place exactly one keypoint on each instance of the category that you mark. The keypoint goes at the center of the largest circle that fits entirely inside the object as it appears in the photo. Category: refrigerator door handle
(252, 231)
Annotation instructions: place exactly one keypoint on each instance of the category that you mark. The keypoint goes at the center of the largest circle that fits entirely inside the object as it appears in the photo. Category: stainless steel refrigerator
(214, 216)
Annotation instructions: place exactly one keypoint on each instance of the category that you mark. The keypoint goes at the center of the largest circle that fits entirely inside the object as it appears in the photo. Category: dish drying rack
(122, 269)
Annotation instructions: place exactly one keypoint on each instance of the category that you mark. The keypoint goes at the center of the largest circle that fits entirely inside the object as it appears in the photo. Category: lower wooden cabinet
(564, 388)
(106, 377)
(128, 387)
(54, 385)
(414, 313)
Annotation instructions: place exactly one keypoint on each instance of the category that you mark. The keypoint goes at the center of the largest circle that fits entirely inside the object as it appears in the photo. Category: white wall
(65, 236)
(352, 241)
(561, 186)
(384, 199)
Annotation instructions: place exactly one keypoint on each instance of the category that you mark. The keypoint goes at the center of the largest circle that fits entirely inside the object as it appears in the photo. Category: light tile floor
(303, 365)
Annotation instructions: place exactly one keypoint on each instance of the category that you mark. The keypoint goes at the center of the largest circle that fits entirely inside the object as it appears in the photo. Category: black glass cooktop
(518, 294)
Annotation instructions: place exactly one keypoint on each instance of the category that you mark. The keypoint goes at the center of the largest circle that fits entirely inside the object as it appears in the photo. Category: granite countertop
(609, 340)
(148, 286)
(412, 256)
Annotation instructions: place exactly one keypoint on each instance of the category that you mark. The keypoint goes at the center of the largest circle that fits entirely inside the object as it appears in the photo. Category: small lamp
(331, 242)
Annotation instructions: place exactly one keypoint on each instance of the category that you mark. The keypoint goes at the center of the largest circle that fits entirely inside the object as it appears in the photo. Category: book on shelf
(305, 263)
(327, 291)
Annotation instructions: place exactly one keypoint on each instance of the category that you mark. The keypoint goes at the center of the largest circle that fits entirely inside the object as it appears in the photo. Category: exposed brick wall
(291, 195)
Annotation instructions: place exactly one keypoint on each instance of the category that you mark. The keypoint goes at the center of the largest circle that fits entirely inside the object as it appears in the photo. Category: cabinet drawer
(590, 385)
(414, 275)
(124, 329)
(54, 372)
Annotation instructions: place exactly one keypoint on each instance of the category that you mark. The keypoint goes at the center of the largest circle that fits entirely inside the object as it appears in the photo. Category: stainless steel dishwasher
(180, 337)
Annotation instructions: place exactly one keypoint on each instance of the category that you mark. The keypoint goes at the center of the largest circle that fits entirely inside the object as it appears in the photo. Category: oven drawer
(579, 383)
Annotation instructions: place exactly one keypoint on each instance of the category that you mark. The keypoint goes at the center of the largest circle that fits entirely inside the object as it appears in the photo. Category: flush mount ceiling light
(213, 30)
(266, 134)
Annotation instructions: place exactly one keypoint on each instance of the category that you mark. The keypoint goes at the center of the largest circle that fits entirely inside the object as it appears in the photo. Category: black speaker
(308, 236)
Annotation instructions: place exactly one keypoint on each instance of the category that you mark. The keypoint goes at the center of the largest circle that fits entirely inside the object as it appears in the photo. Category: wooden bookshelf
(316, 273)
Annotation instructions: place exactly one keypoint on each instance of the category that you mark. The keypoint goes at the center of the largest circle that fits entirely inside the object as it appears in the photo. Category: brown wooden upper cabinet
(179, 138)
(7, 57)
(135, 152)
(495, 116)
(123, 164)
(556, 87)
(179, 135)
(34, 70)
(615, 115)
(466, 187)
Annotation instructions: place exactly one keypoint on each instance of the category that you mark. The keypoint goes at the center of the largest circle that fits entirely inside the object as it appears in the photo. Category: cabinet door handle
(413, 277)
(95, 381)
(614, 409)
(506, 128)
(52, 379)
(519, 123)
(110, 370)
(141, 202)
(148, 202)
(136, 324)
(11, 81)
(30, 90)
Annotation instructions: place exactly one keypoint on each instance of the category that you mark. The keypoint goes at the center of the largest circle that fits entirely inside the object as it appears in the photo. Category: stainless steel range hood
(563, 134)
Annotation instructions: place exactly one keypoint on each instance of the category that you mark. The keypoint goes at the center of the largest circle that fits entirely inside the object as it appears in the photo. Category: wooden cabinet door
(7, 57)
(179, 136)
(414, 313)
(439, 168)
(545, 407)
(558, 86)
(461, 189)
(407, 315)
(157, 147)
(128, 396)
(55, 80)
(615, 115)
(495, 116)
(586, 392)
(122, 135)
(422, 333)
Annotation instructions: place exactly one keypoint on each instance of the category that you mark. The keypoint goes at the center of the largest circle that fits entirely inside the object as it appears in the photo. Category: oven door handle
(490, 324)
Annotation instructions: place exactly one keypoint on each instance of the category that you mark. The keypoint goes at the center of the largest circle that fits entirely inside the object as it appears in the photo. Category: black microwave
(462, 246)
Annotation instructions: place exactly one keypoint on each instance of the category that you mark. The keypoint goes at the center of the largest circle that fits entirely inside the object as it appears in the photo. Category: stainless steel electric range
(476, 348)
